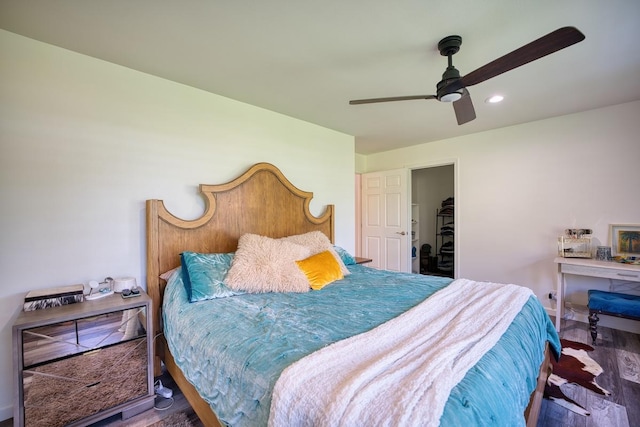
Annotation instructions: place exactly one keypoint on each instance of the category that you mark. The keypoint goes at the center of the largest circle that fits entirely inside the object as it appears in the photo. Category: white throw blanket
(402, 372)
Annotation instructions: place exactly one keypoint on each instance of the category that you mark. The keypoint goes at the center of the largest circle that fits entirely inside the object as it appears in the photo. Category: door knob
(401, 232)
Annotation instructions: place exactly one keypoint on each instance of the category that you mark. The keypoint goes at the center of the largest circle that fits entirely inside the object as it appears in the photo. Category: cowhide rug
(574, 366)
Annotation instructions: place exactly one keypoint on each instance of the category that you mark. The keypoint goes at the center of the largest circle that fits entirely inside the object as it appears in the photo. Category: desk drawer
(607, 273)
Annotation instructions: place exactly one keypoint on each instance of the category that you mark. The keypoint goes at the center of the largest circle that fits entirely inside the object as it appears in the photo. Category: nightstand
(360, 260)
(80, 363)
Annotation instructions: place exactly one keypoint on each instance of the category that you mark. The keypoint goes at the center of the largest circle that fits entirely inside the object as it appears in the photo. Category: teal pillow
(203, 275)
(185, 276)
(345, 256)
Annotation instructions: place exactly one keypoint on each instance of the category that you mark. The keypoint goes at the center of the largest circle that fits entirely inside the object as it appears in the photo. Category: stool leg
(593, 325)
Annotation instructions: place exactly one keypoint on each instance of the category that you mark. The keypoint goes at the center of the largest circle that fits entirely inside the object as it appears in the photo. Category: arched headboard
(260, 201)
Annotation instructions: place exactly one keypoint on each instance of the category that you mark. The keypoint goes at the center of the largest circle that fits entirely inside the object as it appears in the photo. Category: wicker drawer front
(58, 393)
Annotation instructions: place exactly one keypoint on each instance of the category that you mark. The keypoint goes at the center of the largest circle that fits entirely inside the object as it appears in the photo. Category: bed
(236, 383)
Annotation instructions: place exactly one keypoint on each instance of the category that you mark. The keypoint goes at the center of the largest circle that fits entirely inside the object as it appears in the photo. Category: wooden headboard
(260, 201)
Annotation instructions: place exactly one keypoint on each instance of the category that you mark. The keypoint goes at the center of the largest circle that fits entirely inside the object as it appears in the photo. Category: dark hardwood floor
(152, 416)
(618, 352)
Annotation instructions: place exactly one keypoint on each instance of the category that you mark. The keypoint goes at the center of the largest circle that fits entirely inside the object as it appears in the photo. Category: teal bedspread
(234, 349)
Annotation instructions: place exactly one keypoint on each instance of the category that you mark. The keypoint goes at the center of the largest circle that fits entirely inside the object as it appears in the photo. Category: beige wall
(519, 187)
(84, 142)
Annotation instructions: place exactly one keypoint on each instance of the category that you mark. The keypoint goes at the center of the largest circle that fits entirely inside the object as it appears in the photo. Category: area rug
(575, 366)
(178, 419)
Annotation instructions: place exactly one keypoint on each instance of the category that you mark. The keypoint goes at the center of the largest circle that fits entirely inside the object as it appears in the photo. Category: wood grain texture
(260, 201)
(152, 416)
(202, 408)
(533, 409)
(629, 365)
(617, 352)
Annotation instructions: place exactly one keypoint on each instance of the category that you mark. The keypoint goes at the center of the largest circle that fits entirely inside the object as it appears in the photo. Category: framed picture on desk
(625, 240)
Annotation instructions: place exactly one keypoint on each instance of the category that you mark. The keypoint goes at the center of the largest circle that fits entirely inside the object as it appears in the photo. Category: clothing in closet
(444, 237)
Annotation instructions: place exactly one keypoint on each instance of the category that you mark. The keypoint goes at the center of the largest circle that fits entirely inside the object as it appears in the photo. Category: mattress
(234, 349)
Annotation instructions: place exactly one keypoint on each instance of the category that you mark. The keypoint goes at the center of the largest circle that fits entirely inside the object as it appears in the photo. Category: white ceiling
(308, 58)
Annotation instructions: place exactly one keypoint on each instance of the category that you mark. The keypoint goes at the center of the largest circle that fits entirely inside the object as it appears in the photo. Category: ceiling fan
(453, 88)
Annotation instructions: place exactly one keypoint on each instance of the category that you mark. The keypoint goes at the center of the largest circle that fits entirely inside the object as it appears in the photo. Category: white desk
(590, 268)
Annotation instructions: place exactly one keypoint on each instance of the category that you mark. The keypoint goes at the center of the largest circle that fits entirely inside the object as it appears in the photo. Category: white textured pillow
(262, 264)
(318, 242)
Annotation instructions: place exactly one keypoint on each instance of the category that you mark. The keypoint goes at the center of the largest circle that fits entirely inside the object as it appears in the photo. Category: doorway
(433, 200)
(385, 199)
(412, 208)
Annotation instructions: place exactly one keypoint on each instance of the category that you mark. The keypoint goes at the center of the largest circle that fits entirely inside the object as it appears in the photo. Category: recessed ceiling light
(494, 99)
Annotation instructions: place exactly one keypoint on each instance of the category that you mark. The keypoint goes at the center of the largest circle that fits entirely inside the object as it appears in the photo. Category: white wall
(520, 187)
(84, 143)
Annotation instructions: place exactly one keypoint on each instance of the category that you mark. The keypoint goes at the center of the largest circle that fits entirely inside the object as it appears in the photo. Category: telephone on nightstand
(100, 290)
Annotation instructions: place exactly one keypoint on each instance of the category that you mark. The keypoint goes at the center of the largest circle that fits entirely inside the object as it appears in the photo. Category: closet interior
(432, 220)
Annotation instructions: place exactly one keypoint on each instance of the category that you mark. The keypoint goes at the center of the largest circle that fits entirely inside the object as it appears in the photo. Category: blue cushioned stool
(611, 304)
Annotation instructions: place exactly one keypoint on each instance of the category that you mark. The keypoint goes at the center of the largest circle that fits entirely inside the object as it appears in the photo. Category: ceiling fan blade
(393, 98)
(463, 108)
(545, 45)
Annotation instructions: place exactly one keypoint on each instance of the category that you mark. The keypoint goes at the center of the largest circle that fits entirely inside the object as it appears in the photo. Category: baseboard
(6, 413)
(136, 408)
(580, 313)
(550, 311)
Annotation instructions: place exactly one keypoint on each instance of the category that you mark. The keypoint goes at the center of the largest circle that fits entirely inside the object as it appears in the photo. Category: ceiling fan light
(450, 97)
(494, 99)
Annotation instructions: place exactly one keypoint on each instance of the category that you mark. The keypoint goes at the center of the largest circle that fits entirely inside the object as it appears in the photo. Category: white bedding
(402, 372)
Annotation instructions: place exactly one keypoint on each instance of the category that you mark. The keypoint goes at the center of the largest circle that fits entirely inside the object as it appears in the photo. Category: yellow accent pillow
(321, 269)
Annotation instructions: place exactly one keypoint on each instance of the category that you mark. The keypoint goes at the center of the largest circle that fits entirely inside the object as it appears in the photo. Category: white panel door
(385, 220)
